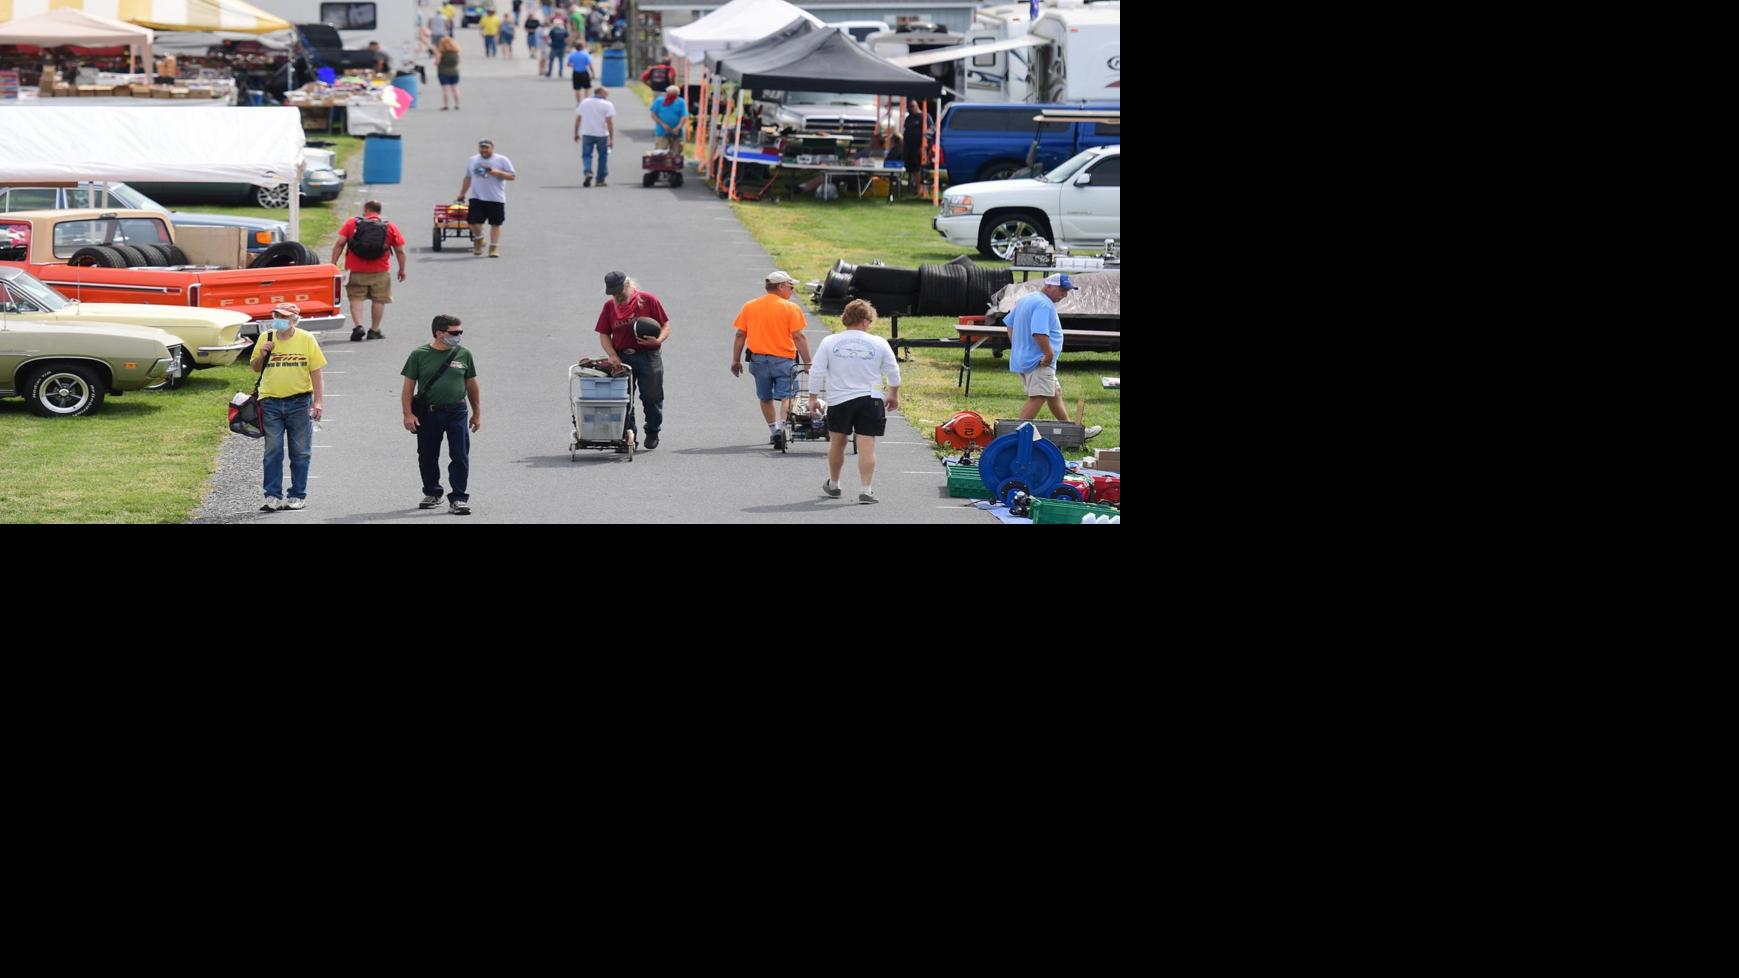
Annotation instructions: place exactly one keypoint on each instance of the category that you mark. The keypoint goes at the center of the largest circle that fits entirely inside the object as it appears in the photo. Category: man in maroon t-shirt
(370, 275)
(639, 353)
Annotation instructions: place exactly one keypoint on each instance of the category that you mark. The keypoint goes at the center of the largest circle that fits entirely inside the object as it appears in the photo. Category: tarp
(827, 61)
(199, 42)
(164, 15)
(735, 24)
(777, 39)
(1100, 294)
(76, 27)
(219, 144)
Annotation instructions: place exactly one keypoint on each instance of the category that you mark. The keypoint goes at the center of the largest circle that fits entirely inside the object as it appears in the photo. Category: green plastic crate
(1066, 510)
(964, 483)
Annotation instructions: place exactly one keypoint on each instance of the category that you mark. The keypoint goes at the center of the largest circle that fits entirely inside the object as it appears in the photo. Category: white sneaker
(1093, 431)
(294, 503)
(273, 504)
(867, 497)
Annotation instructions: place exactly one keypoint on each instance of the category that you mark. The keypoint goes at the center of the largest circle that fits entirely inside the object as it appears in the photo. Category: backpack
(368, 239)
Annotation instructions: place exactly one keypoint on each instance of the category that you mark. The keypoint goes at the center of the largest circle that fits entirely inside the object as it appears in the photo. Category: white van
(391, 22)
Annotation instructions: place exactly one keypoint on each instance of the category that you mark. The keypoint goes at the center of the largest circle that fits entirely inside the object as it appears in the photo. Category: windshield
(1068, 169)
(133, 200)
(828, 98)
(42, 295)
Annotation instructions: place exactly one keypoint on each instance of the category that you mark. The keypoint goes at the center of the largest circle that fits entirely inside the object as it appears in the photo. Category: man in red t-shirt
(615, 329)
(368, 244)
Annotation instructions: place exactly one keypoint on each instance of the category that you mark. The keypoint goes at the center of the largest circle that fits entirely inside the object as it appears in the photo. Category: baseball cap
(289, 309)
(780, 278)
(486, 142)
(613, 283)
(1062, 279)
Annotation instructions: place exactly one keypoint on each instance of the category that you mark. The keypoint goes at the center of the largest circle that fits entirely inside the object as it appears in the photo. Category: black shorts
(487, 212)
(582, 80)
(865, 415)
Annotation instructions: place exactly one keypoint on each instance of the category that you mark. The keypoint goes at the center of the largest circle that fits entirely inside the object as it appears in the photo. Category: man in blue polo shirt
(1035, 341)
(669, 112)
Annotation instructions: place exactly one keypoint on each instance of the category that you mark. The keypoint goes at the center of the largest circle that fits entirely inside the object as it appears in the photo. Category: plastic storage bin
(601, 420)
(1066, 510)
(603, 388)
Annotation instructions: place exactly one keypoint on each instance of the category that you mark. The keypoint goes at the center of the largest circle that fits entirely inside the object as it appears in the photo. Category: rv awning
(733, 25)
(164, 15)
(56, 28)
(957, 52)
(219, 144)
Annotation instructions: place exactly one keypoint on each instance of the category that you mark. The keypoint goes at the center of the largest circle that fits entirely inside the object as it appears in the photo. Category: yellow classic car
(209, 337)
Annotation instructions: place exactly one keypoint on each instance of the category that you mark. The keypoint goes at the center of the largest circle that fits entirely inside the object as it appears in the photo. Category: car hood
(1024, 187)
(123, 312)
(115, 331)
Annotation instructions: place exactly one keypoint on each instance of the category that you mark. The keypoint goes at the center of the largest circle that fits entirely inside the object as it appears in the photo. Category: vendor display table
(893, 170)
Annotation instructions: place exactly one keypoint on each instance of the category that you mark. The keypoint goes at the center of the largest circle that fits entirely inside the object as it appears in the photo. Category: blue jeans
(451, 422)
(281, 416)
(648, 367)
(488, 46)
(602, 145)
(555, 59)
(774, 376)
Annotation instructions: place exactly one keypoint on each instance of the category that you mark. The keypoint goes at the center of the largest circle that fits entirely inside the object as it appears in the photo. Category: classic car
(64, 371)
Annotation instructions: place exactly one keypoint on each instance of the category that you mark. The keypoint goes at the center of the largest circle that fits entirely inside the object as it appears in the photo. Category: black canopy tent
(819, 61)
(711, 95)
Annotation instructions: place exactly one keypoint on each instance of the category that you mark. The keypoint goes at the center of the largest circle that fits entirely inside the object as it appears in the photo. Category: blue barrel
(408, 82)
(383, 158)
(615, 68)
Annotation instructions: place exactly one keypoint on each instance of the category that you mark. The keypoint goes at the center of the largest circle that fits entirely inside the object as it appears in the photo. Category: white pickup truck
(1077, 204)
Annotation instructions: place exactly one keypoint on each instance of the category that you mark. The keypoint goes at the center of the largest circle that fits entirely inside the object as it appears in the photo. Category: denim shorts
(773, 376)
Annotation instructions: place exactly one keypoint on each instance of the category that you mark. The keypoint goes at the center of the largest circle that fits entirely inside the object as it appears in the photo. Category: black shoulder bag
(420, 402)
(247, 418)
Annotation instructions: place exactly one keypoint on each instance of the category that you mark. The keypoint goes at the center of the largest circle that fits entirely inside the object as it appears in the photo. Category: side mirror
(1084, 180)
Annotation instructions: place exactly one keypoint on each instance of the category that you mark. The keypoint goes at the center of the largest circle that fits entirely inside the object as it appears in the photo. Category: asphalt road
(530, 313)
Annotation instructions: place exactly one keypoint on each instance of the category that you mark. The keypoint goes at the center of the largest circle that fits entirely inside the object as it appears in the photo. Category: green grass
(146, 457)
(806, 236)
(320, 219)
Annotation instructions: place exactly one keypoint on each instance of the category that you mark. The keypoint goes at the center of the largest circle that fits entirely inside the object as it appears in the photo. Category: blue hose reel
(1021, 466)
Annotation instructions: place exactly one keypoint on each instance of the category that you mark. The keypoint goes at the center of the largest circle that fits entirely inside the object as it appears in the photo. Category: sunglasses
(454, 332)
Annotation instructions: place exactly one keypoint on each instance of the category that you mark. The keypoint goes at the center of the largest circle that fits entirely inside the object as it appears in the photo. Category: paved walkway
(530, 313)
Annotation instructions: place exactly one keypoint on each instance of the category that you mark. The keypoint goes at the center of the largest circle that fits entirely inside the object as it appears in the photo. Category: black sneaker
(586, 182)
(430, 502)
(375, 334)
(651, 442)
(356, 335)
(779, 440)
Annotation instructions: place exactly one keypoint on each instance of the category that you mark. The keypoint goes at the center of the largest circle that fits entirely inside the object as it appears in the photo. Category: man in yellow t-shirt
(772, 328)
(491, 27)
(289, 363)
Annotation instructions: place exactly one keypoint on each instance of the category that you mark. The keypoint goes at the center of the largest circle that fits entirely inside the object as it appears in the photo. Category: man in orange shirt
(772, 328)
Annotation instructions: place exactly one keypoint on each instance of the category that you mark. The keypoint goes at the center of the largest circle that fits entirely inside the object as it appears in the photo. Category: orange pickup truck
(130, 256)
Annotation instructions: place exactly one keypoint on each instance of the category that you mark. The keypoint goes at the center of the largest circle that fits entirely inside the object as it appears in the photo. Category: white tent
(164, 15)
(219, 144)
(732, 25)
(75, 27)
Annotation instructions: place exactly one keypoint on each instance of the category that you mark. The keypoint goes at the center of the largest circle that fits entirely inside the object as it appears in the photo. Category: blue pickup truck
(990, 141)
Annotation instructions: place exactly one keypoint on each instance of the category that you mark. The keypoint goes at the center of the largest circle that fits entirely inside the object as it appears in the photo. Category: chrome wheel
(278, 196)
(65, 393)
(1010, 235)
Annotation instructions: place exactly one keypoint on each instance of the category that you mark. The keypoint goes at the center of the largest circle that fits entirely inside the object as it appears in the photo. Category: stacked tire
(892, 291)
(285, 253)
(127, 256)
(960, 288)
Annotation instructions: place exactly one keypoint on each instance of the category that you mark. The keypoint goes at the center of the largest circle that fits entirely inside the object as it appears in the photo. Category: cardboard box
(227, 247)
(178, 93)
(161, 91)
(63, 90)
(140, 91)
(1106, 462)
(122, 91)
(89, 91)
(1063, 434)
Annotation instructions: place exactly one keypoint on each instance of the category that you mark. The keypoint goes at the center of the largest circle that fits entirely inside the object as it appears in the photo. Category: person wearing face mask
(444, 376)
(289, 363)
(669, 111)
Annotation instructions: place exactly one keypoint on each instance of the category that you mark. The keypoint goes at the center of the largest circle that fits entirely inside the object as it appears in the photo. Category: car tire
(884, 278)
(999, 170)
(280, 255)
(176, 255)
(155, 256)
(941, 290)
(64, 390)
(271, 197)
(1005, 230)
(308, 256)
(889, 303)
(135, 258)
(97, 256)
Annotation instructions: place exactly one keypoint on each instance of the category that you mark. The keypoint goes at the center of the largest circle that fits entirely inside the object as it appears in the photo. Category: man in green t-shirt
(444, 374)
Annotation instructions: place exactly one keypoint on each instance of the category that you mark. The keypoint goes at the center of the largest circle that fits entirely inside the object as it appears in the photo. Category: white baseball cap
(780, 278)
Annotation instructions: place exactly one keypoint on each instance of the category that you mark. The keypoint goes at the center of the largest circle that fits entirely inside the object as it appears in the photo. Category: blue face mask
(451, 340)
(280, 323)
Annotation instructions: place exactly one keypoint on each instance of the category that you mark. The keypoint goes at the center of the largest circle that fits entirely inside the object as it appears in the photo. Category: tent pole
(739, 151)
(935, 170)
(296, 203)
(700, 126)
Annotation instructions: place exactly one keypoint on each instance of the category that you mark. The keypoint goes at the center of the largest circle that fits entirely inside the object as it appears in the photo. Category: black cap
(613, 282)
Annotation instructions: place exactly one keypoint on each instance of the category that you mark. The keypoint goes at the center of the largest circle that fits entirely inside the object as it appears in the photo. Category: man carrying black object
(446, 378)
(617, 334)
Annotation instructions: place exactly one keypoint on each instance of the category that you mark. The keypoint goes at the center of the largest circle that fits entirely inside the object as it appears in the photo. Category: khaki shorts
(1041, 382)
(672, 143)
(369, 285)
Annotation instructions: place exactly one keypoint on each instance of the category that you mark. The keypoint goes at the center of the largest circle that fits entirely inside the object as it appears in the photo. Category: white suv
(1077, 204)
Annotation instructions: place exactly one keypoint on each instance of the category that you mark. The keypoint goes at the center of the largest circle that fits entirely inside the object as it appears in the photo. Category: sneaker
(867, 497)
(356, 335)
(430, 502)
(273, 504)
(477, 248)
(1093, 431)
(586, 182)
(779, 440)
(295, 502)
(601, 182)
(458, 507)
(651, 442)
(375, 334)
(831, 489)
(495, 251)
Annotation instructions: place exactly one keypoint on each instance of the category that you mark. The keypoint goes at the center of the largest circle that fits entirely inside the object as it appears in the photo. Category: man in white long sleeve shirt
(849, 368)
